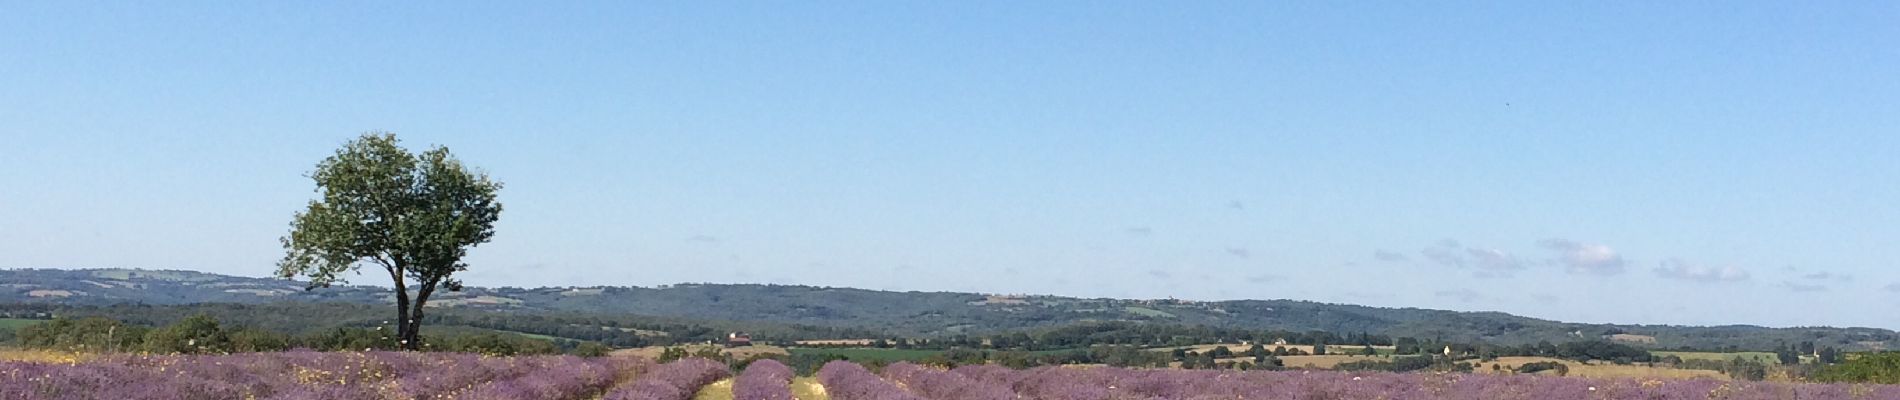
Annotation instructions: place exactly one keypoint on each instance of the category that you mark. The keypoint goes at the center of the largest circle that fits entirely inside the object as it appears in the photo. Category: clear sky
(1638, 162)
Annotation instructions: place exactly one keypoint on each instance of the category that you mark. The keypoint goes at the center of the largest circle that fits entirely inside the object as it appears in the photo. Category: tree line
(202, 334)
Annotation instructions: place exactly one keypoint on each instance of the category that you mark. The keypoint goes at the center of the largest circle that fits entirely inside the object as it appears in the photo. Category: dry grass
(721, 390)
(808, 388)
(1607, 370)
(43, 356)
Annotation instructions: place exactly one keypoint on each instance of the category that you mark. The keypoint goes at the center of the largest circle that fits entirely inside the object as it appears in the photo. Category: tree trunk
(403, 325)
(412, 339)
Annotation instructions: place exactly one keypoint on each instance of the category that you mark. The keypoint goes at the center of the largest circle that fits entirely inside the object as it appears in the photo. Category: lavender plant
(764, 380)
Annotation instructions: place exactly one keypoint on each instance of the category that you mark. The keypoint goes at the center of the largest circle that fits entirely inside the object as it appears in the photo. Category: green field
(16, 323)
(1148, 312)
(1712, 356)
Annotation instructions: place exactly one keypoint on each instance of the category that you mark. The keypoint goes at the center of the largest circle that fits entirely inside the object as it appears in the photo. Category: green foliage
(1221, 352)
(88, 334)
(590, 349)
(1404, 364)
(1535, 367)
(12, 324)
(415, 215)
(809, 363)
(1602, 350)
(494, 344)
(198, 334)
(246, 340)
(1882, 368)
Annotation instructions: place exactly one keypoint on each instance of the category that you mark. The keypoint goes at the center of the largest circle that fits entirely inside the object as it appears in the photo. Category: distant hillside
(909, 313)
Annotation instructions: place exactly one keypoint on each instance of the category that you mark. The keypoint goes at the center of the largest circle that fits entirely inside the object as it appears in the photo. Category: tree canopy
(414, 215)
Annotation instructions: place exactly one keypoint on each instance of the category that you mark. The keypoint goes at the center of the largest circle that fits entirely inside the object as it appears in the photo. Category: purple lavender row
(764, 380)
(677, 380)
(845, 380)
(1054, 383)
(303, 375)
(944, 385)
(559, 378)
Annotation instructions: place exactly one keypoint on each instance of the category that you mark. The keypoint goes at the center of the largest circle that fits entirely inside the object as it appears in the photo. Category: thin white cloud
(1443, 257)
(1390, 256)
(1824, 275)
(1802, 287)
(1586, 258)
(1893, 287)
(1489, 263)
(1239, 252)
(1266, 278)
(1494, 259)
(1676, 268)
(1462, 295)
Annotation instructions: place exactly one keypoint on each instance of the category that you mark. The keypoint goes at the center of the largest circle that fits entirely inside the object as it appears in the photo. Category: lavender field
(392, 375)
(317, 375)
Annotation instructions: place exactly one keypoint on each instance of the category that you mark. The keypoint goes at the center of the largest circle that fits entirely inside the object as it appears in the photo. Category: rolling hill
(904, 313)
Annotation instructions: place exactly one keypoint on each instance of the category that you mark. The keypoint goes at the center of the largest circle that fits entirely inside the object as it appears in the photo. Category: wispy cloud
(1489, 263)
(1238, 252)
(1545, 299)
(1802, 287)
(1140, 230)
(1443, 256)
(1494, 260)
(1159, 274)
(1824, 276)
(1462, 295)
(1265, 278)
(1676, 268)
(1237, 205)
(1390, 256)
(1892, 287)
(1585, 258)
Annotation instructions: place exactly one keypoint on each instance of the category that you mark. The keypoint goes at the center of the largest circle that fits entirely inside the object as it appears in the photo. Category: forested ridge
(628, 316)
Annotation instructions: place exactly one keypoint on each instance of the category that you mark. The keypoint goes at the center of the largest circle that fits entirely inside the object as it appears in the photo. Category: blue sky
(1640, 162)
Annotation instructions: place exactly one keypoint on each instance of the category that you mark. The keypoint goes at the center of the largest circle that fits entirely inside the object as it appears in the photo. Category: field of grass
(43, 356)
(537, 336)
(721, 390)
(807, 388)
(1712, 356)
(16, 323)
(1148, 312)
(1607, 370)
(1326, 362)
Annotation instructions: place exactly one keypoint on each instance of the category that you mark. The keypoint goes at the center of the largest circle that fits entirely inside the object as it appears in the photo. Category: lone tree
(414, 215)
